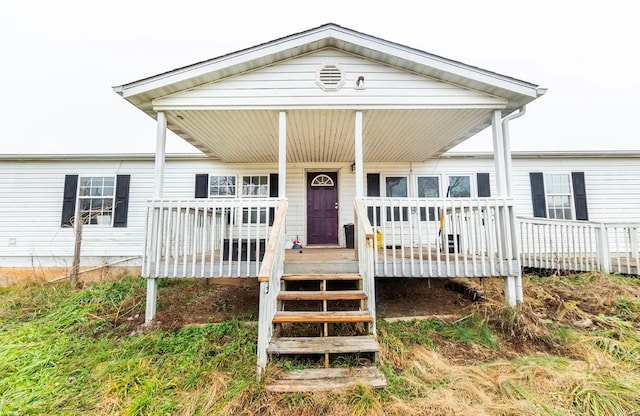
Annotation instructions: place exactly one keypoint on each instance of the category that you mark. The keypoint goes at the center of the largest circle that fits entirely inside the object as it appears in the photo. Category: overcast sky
(61, 58)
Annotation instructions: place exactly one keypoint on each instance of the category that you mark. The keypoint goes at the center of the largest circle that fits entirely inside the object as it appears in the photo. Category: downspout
(507, 144)
(506, 140)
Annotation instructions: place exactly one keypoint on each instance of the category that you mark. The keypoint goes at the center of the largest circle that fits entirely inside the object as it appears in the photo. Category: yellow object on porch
(378, 240)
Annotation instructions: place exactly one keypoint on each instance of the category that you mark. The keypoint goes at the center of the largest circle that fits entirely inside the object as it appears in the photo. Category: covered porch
(323, 110)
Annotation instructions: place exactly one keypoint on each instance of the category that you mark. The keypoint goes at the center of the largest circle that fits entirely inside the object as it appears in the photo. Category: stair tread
(326, 379)
(321, 345)
(313, 316)
(333, 276)
(322, 295)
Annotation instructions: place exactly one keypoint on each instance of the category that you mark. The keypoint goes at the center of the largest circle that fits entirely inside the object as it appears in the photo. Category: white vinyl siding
(31, 194)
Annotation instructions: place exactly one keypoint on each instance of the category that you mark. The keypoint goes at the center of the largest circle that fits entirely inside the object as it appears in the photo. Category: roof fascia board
(322, 33)
(595, 154)
(191, 107)
(439, 63)
(87, 157)
(222, 62)
(551, 154)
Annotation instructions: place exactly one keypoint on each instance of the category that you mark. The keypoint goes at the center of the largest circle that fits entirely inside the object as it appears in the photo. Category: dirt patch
(197, 301)
(417, 297)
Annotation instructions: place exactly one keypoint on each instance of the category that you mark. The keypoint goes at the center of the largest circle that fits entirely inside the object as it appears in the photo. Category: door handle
(335, 205)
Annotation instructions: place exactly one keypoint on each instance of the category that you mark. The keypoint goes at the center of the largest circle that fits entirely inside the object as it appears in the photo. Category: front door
(322, 208)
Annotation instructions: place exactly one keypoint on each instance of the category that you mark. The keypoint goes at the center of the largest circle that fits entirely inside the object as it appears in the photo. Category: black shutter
(373, 184)
(121, 210)
(579, 196)
(69, 199)
(202, 185)
(482, 182)
(538, 195)
(273, 193)
(373, 189)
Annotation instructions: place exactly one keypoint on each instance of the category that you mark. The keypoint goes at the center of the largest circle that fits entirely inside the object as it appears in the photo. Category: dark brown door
(322, 208)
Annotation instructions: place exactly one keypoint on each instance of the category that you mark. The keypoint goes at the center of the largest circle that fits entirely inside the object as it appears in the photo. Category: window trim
(397, 214)
(265, 175)
(80, 197)
(548, 194)
(423, 212)
(472, 185)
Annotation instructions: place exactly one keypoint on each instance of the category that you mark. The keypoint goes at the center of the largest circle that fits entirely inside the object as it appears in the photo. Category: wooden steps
(327, 379)
(309, 277)
(322, 345)
(335, 342)
(322, 295)
(288, 317)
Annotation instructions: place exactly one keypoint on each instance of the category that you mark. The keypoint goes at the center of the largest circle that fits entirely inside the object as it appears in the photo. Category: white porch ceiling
(400, 135)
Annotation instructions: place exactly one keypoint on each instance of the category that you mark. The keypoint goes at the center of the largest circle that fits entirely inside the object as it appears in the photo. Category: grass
(77, 352)
(64, 353)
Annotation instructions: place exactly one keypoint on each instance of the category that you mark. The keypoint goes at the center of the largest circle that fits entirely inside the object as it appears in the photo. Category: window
(222, 186)
(558, 196)
(255, 186)
(96, 199)
(254, 216)
(396, 187)
(561, 196)
(460, 186)
(428, 187)
(322, 180)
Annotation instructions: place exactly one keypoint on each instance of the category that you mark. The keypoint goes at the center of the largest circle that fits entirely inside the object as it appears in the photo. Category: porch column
(161, 140)
(502, 190)
(282, 154)
(358, 155)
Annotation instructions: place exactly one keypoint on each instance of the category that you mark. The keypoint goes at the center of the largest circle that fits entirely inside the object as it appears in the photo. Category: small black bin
(348, 235)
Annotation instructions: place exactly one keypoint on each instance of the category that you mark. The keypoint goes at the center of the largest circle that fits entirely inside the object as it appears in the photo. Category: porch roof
(392, 132)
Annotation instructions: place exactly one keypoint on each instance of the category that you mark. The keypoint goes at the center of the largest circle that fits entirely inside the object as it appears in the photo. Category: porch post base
(519, 291)
(152, 294)
(510, 290)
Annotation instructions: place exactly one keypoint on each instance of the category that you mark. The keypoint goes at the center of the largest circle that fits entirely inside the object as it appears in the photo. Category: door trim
(306, 173)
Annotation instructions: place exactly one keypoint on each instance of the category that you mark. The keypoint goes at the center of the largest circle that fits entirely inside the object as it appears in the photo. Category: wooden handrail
(274, 240)
(362, 215)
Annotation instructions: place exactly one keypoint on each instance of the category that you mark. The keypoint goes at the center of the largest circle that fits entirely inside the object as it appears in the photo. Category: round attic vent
(330, 77)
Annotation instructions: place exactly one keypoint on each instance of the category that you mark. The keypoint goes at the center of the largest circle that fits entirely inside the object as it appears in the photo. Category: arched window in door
(322, 180)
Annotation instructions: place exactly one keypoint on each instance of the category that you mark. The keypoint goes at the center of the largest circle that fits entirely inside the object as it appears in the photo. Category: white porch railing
(206, 237)
(623, 246)
(270, 281)
(365, 252)
(437, 237)
(579, 246)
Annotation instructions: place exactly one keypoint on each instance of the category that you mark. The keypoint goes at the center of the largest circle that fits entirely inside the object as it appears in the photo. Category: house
(35, 241)
(331, 137)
